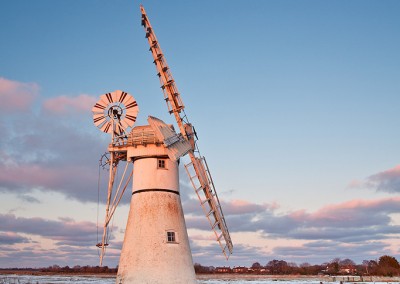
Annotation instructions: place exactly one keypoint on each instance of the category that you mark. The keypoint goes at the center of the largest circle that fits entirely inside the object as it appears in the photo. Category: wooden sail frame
(197, 169)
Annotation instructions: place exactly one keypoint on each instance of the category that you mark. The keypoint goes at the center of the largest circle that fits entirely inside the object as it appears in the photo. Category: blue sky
(295, 103)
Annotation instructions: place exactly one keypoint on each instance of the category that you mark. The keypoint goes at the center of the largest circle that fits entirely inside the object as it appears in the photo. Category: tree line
(385, 266)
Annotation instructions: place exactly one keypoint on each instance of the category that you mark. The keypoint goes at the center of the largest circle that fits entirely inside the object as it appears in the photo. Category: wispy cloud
(56, 150)
(27, 240)
(11, 238)
(16, 96)
(77, 233)
(357, 227)
(385, 181)
(52, 150)
(67, 105)
(28, 198)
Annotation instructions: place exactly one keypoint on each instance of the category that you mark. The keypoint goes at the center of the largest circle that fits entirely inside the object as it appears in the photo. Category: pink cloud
(198, 237)
(24, 177)
(232, 207)
(386, 181)
(244, 207)
(355, 183)
(64, 104)
(16, 95)
(63, 229)
(74, 241)
(12, 238)
(362, 203)
(356, 213)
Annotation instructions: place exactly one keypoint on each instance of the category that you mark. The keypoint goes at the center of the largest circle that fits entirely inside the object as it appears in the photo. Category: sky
(295, 104)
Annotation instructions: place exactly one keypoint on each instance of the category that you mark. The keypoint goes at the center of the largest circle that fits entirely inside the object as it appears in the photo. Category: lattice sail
(197, 169)
(203, 185)
(176, 145)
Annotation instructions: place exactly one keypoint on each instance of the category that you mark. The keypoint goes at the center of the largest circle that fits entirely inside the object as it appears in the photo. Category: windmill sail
(197, 169)
(203, 185)
(177, 145)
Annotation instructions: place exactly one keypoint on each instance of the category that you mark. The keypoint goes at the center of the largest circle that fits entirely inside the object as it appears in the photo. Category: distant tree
(278, 267)
(390, 261)
(65, 269)
(198, 268)
(256, 265)
(347, 266)
(368, 267)
(373, 264)
(346, 262)
(333, 266)
(388, 266)
(308, 269)
(365, 264)
(305, 268)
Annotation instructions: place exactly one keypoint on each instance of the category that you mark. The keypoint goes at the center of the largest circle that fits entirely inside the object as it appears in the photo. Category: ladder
(203, 185)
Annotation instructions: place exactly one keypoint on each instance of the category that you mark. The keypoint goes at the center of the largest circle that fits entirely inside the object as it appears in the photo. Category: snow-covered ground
(46, 279)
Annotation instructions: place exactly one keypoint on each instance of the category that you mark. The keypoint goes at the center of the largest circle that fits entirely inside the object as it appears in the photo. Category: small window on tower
(161, 163)
(171, 237)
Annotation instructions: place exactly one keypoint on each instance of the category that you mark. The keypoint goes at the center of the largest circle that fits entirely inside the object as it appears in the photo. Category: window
(171, 237)
(161, 163)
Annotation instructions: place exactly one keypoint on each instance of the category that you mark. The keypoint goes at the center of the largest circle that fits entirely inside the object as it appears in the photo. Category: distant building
(347, 269)
(258, 270)
(223, 269)
(240, 269)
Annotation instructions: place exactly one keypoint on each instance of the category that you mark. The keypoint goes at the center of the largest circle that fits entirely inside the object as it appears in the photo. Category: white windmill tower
(156, 246)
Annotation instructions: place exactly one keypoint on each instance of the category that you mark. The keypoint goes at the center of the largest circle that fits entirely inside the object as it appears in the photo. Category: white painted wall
(146, 255)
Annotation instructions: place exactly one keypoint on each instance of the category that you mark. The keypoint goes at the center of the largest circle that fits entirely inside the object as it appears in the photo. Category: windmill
(156, 246)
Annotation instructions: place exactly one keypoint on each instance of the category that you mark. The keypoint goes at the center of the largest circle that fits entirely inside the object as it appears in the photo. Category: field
(37, 277)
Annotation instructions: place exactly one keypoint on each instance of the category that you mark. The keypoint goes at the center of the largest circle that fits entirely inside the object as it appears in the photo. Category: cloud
(11, 238)
(357, 229)
(50, 151)
(28, 198)
(348, 221)
(38, 256)
(212, 255)
(77, 233)
(353, 224)
(76, 182)
(325, 251)
(351, 213)
(58, 148)
(241, 207)
(25, 242)
(385, 181)
(16, 96)
(64, 104)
